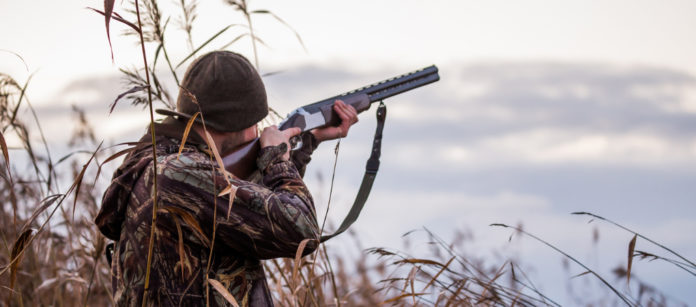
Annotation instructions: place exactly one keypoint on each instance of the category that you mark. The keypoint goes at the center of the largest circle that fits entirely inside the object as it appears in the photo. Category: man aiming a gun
(196, 238)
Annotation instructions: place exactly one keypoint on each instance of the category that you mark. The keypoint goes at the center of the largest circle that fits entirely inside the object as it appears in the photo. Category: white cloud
(687, 102)
(564, 91)
(558, 146)
(676, 97)
(455, 154)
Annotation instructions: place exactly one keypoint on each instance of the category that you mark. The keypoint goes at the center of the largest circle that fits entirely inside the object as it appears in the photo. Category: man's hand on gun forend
(348, 116)
(271, 136)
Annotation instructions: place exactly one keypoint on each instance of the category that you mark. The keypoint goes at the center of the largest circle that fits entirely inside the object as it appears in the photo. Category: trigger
(295, 143)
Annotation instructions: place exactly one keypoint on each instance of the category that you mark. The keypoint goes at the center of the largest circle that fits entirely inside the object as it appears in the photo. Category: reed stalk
(153, 224)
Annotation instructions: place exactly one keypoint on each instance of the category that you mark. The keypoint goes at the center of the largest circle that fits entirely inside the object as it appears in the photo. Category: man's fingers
(351, 112)
(290, 132)
(347, 119)
(348, 116)
(273, 127)
(342, 113)
(346, 112)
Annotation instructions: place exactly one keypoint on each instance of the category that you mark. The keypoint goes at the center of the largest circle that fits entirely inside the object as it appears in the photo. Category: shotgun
(242, 160)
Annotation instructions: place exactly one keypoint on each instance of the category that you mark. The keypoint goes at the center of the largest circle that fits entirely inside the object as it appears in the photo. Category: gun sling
(370, 173)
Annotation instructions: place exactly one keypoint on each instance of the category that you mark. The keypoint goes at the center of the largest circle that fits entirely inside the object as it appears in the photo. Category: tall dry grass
(53, 254)
(51, 251)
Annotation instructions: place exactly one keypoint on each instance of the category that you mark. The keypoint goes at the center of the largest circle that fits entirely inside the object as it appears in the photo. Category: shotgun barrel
(321, 113)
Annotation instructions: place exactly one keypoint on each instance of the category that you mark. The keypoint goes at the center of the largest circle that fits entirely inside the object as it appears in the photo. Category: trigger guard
(295, 143)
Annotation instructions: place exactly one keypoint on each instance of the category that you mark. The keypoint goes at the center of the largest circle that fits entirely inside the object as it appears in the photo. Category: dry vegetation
(53, 254)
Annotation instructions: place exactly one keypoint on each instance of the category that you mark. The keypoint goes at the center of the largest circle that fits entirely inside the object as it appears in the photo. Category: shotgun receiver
(242, 160)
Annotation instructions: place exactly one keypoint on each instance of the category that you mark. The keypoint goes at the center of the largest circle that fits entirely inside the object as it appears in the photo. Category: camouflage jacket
(269, 217)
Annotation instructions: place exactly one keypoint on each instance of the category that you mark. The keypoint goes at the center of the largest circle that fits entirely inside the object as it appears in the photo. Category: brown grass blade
(408, 279)
(396, 298)
(421, 261)
(298, 257)
(631, 249)
(691, 263)
(297, 35)
(108, 9)
(232, 191)
(4, 149)
(520, 230)
(218, 159)
(581, 274)
(180, 249)
(43, 205)
(381, 252)
(111, 158)
(78, 180)
(132, 90)
(66, 157)
(269, 74)
(118, 18)
(19, 56)
(204, 44)
(114, 156)
(21, 95)
(189, 220)
(10, 290)
(234, 40)
(489, 287)
(191, 96)
(122, 152)
(213, 148)
(453, 298)
(261, 41)
(221, 289)
(439, 272)
(186, 133)
(16, 255)
(644, 255)
(226, 190)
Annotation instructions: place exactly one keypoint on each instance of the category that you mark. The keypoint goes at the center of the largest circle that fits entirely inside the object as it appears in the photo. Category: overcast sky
(544, 108)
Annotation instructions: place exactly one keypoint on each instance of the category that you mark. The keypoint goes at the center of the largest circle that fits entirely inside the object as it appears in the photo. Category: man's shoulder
(170, 153)
(192, 167)
(190, 159)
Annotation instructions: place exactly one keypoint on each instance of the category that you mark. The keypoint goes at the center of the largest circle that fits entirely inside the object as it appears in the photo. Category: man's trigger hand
(271, 136)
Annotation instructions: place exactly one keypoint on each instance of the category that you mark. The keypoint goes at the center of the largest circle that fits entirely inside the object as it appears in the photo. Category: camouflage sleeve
(302, 156)
(265, 220)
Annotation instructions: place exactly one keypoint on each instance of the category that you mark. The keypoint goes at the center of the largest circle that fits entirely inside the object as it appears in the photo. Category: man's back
(268, 219)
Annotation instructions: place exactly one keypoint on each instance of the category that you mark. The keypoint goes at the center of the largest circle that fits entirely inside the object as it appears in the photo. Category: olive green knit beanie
(229, 92)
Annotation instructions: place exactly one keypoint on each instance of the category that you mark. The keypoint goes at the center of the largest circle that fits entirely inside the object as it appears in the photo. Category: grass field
(53, 254)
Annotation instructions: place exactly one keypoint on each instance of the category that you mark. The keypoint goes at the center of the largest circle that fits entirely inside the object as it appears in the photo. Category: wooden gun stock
(242, 160)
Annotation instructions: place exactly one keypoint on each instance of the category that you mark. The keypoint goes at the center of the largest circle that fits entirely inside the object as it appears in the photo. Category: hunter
(272, 211)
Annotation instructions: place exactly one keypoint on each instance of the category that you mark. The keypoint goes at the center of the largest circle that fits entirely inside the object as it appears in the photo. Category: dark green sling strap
(369, 177)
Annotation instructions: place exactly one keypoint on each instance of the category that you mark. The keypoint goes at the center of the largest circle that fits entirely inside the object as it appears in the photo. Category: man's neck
(226, 142)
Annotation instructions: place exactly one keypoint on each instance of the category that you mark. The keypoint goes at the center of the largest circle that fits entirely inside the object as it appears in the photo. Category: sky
(543, 108)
